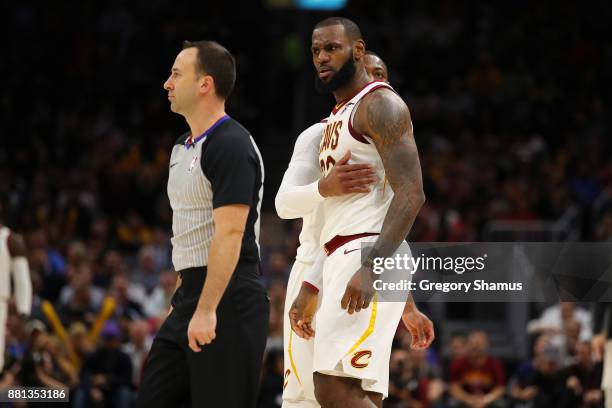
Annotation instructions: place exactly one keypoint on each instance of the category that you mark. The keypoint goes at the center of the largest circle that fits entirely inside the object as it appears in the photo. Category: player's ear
(358, 49)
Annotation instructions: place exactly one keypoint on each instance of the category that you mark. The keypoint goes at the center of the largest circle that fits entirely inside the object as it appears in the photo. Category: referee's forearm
(222, 260)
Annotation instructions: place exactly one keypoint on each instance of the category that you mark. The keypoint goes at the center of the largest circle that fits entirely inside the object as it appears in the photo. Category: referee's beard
(342, 77)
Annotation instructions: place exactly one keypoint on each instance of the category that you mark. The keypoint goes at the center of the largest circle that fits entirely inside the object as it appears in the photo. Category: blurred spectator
(147, 272)
(553, 318)
(127, 305)
(157, 303)
(47, 262)
(276, 293)
(79, 300)
(457, 348)
(539, 382)
(113, 263)
(478, 379)
(569, 339)
(271, 391)
(137, 348)
(413, 381)
(18, 336)
(106, 376)
(162, 249)
(133, 233)
(52, 366)
(278, 268)
(399, 373)
(584, 380)
(79, 340)
(501, 136)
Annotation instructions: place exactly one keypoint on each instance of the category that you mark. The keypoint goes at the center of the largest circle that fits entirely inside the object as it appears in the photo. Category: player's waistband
(339, 240)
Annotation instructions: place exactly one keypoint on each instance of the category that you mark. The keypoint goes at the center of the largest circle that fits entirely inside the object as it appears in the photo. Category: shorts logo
(352, 250)
(287, 374)
(361, 359)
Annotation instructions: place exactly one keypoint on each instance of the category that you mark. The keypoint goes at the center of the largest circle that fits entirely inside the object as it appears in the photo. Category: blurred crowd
(564, 368)
(510, 118)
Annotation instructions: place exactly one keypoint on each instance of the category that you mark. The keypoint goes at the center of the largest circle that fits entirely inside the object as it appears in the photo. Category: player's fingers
(421, 340)
(346, 298)
(353, 303)
(360, 173)
(298, 329)
(358, 182)
(357, 190)
(308, 330)
(430, 333)
(305, 335)
(345, 158)
(293, 324)
(295, 320)
(355, 167)
(359, 304)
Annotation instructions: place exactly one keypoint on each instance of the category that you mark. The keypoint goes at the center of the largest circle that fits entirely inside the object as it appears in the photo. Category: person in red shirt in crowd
(478, 379)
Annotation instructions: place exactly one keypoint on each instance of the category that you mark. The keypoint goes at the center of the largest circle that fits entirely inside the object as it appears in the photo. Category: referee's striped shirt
(220, 167)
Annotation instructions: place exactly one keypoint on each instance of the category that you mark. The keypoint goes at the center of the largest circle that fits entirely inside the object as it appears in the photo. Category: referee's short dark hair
(215, 60)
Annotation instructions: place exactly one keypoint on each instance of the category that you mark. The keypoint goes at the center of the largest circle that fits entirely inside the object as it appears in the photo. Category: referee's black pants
(226, 372)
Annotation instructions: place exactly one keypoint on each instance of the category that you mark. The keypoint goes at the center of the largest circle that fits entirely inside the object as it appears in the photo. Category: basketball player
(351, 351)
(13, 259)
(375, 67)
(298, 197)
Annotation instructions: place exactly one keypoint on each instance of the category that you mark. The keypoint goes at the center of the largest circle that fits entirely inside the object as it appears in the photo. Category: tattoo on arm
(387, 122)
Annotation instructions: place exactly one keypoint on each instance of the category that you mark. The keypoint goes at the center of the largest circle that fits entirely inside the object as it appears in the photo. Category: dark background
(510, 102)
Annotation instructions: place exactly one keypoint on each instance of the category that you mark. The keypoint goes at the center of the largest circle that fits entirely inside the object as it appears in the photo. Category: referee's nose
(168, 85)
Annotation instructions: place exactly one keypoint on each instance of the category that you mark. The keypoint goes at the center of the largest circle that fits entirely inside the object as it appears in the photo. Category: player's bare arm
(419, 326)
(16, 245)
(384, 117)
(223, 257)
(21, 274)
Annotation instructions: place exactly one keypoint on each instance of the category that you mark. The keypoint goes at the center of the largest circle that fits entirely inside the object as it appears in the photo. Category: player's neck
(204, 117)
(360, 80)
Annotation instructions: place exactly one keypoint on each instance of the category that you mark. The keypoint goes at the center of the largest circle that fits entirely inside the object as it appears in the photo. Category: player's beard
(339, 79)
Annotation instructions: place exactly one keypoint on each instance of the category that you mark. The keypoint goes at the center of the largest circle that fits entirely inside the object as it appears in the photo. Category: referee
(208, 352)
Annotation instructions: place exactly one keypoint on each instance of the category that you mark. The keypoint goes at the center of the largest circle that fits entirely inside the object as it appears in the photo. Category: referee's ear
(207, 85)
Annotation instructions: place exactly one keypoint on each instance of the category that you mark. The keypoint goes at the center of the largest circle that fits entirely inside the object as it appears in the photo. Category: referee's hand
(201, 330)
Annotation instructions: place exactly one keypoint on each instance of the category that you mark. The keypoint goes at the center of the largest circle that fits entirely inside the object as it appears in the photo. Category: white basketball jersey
(5, 264)
(353, 213)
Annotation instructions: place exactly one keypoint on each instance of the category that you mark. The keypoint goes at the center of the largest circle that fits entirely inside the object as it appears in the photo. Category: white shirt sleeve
(314, 275)
(299, 193)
